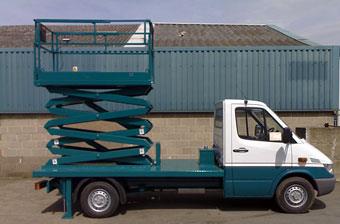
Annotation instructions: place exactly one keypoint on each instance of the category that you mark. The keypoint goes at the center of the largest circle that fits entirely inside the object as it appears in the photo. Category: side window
(218, 122)
(257, 124)
(272, 125)
(218, 128)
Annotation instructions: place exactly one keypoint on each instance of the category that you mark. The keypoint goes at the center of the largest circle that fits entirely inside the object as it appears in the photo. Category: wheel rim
(296, 196)
(99, 200)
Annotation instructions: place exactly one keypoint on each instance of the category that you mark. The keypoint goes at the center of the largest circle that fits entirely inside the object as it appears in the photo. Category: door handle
(241, 150)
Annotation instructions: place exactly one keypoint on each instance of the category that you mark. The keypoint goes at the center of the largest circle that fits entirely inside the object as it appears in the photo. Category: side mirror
(258, 131)
(287, 135)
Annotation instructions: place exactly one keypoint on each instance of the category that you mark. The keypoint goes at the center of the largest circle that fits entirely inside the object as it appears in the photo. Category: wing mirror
(258, 132)
(287, 135)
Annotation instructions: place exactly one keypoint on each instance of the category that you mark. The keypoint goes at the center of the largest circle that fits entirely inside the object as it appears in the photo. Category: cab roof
(239, 101)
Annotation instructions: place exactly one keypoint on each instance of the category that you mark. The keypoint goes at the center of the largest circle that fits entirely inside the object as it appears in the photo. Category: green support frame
(134, 127)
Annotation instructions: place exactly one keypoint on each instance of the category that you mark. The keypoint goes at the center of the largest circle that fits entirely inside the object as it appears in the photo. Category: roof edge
(294, 36)
(198, 23)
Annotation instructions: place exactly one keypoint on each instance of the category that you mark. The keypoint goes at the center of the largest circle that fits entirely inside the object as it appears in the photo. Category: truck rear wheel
(295, 195)
(99, 200)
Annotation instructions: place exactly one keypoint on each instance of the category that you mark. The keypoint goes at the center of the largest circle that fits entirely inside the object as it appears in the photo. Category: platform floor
(94, 79)
(167, 168)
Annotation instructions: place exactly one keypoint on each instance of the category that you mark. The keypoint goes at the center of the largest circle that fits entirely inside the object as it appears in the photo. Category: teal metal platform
(167, 168)
(86, 79)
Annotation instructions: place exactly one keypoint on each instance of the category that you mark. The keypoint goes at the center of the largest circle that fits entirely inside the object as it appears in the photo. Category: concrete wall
(328, 141)
(23, 138)
(22, 143)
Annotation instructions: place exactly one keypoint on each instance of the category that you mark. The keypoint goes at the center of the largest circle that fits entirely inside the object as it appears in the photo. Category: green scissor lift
(90, 88)
(82, 152)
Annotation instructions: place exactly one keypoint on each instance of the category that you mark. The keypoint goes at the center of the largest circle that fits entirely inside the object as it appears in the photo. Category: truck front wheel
(295, 195)
(99, 200)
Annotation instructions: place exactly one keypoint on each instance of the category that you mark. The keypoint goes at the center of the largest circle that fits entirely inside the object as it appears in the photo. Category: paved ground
(21, 204)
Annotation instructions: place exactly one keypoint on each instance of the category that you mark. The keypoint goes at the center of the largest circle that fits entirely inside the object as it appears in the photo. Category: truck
(254, 153)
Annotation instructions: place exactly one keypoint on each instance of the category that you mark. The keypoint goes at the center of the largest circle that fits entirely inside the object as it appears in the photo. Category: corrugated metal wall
(193, 79)
(17, 92)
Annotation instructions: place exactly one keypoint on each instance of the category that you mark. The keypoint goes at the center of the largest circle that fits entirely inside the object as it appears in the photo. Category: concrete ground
(21, 204)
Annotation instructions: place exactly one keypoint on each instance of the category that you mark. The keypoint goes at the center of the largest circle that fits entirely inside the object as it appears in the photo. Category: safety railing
(58, 41)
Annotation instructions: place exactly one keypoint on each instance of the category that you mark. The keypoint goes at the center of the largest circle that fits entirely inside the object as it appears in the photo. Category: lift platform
(64, 56)
(59, 42)
(67, 55)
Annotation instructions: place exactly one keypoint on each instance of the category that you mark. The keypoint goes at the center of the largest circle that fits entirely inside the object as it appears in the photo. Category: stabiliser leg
(82, 106)
(67, 196)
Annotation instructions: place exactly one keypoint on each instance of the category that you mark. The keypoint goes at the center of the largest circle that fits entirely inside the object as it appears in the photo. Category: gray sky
(317, 20)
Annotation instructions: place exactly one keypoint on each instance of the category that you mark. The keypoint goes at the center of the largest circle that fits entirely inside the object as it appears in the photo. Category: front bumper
(325, 185)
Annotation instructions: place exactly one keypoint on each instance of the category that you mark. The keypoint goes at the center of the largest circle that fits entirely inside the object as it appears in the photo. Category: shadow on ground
(173, 200)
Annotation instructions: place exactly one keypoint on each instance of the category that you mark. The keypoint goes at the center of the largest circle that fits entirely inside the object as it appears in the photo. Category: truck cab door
(258, 153)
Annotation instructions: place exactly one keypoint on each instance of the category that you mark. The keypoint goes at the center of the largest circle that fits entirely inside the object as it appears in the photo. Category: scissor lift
(84, 88)
(66, 63)
(54, 45)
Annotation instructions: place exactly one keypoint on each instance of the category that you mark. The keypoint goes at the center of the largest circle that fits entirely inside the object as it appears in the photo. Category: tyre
(295, 195)
(99, 200)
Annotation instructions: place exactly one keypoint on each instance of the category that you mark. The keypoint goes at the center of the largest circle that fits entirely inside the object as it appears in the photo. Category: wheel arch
(293, 173)
(116, 184)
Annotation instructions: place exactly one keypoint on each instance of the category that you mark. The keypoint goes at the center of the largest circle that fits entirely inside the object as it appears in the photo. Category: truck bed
(167, 168)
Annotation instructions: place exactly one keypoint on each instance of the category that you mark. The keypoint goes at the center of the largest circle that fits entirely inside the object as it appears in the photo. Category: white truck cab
(263, 158)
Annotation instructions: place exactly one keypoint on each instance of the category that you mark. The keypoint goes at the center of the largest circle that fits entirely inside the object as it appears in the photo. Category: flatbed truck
(254, 153)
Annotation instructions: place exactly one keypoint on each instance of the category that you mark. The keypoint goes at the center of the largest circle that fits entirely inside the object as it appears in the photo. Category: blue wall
(193, 79)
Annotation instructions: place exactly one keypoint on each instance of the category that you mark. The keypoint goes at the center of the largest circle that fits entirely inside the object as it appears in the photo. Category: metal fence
(193, 79)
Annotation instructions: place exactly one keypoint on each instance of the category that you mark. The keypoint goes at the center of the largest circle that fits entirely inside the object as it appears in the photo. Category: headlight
(329, 167)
